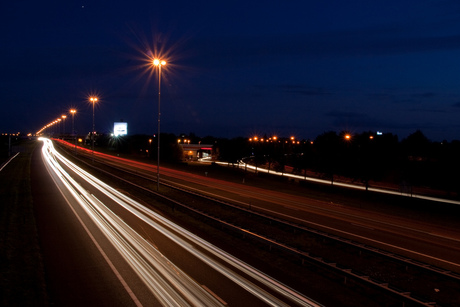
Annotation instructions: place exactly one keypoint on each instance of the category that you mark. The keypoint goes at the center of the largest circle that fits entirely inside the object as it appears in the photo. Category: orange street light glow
(158, 62)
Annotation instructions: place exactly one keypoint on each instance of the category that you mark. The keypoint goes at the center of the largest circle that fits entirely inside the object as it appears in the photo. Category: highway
(426, 239)
(103, 248)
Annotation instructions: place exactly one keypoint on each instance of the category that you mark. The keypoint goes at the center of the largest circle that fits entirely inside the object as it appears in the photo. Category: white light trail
(167, 282)
(342, 184)
(170, 285)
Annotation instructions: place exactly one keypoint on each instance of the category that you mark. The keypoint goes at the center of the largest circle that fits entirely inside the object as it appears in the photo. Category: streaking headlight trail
(167, 282)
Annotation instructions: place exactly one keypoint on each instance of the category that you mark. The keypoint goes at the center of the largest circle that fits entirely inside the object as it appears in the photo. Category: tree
(327, 152)
(416, 145)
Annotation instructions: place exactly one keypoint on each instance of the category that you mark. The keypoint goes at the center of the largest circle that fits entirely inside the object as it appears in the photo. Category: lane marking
(362, 226)
(104, 255)
(110, 263)
(444, 237)
(215, 295)
(9, 160)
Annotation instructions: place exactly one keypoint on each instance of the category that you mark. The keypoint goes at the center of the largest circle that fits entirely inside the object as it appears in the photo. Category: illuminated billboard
(120, 129)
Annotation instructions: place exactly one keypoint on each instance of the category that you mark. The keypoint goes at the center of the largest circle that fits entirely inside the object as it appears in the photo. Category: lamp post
(150, 147)
(93, 100)
(59, 128)
(63, 119)
(159, 63)
(73, 111)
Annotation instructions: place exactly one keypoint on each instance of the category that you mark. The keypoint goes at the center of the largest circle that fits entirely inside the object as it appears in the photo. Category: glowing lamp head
(93, 99)
(158, 62)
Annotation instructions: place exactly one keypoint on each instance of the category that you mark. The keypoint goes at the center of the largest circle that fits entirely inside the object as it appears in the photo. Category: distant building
(195, 152)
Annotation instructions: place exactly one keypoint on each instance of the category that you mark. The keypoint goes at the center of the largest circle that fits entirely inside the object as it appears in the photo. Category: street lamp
(63, 118)
(73, 111)
(93, 101)
(158, 63)
(150, 147)
(59, 126)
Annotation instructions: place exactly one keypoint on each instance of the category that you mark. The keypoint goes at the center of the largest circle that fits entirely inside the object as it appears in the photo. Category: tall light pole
(159, 63)
(59, 131)
(93, 100)
(73, 111)
(150, 147)
(63, 119)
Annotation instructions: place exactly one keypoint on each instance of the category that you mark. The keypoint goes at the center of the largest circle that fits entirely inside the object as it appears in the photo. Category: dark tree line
(364, 157)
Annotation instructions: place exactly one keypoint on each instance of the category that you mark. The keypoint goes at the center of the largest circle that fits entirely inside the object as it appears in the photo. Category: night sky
(235, 68)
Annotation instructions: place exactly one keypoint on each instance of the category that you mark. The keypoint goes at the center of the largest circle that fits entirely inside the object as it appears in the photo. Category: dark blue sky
(234, 68)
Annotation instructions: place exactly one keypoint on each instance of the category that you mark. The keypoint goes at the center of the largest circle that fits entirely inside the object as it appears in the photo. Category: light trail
(155, 270)
(170, 285)
(342, 184)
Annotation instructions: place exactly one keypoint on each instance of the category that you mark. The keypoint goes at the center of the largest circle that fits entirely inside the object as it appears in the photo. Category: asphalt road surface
(102, 248)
